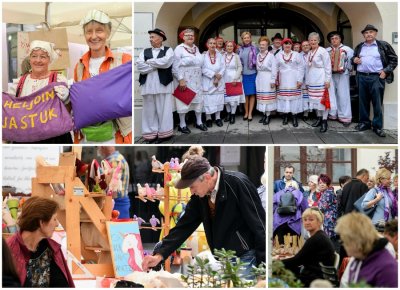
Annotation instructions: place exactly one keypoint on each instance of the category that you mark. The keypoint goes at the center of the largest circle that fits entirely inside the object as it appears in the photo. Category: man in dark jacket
(374, 60)
(352, 191)
(287, 180)
(230, 209)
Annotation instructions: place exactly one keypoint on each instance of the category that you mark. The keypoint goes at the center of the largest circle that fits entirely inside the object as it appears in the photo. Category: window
(312, 160)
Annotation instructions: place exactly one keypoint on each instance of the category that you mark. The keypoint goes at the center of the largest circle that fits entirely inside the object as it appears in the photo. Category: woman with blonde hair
(265, 80)
(381, 198)
(317, 249)
(248, 56)
(370, 260)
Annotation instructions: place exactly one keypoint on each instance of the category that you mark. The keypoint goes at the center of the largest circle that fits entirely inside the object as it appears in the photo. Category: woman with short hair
(186, 69)
(318, 81)
(213, 83)
(370, 261)
(265, 80)
(317, 249)
(381, 198)
(248, 55)
(39, 259)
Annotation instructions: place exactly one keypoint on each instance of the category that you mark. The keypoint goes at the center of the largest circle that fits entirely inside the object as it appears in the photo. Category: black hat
(369, 27)
(159, 32)
(277, 36)
(191, 170)
(332, 33)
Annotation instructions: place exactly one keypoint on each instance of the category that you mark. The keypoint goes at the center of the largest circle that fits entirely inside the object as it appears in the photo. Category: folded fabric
(185, 96)
(35, 117)
(234, 90)
(106, 96)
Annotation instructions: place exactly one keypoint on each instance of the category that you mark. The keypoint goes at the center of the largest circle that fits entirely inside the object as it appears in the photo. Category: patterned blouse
(327, 205)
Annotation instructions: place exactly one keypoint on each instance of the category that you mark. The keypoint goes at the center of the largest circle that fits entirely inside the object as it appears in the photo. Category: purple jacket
(293, 221)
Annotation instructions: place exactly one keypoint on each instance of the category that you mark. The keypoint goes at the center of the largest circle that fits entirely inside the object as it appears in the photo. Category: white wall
(368, 158)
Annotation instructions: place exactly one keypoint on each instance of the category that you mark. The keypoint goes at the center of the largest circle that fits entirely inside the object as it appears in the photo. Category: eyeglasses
(189, 35)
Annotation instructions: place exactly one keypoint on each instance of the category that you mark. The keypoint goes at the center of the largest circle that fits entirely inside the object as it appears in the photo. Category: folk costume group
(282, 76)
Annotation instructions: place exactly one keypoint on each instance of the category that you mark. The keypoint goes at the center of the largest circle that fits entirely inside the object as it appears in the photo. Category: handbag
(186, 96)
(367, 211)
(232, 90)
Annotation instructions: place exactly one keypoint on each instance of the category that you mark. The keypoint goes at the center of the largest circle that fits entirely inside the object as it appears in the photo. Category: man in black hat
(155, 67)
(276, 43)
(227, 204)
(341, 67)
(374, 60)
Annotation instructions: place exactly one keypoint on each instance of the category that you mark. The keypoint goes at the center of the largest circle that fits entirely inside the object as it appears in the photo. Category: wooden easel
(76, 196)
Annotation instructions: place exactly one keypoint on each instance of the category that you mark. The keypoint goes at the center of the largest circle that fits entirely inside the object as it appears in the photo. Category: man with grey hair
(230, 209)
(155, 67)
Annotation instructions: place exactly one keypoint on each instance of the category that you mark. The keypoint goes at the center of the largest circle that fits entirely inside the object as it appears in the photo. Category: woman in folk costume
(248, 56)
(265, 81)
(305, 49)
(187, 70)
(318, 81)
(233, 74)
(213, 83)
(99, 59)
(290, 77)
(41, 55)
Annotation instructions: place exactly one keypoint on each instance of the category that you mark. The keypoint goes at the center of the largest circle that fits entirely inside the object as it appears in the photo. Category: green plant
(282, 277)
(202, 275)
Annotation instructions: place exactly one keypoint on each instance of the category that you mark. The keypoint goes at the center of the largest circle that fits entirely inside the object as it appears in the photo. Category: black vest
(164, 74)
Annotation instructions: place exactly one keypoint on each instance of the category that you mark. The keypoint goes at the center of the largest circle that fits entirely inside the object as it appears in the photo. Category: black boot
(262, 119)
(227, 117)
(232, 120)
(267, 120)
(317, 123)
(285, 119)
(294, 120)
(324, 126)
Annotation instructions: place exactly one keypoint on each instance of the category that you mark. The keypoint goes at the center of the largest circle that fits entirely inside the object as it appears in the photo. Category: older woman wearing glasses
(317, 249)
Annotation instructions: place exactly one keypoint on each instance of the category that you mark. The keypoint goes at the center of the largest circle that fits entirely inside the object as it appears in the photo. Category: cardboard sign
(126, 247)
(36, 117)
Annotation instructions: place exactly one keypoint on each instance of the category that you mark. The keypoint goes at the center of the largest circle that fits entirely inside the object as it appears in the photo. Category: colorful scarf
(389, 194)
(252, 61)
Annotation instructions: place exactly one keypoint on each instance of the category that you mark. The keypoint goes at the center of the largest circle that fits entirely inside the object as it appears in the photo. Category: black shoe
(202, 127)
(227, 117)
(346, 124)
(161, 140)
(267, 120)
(152, 141)
(262, 119)
(250, 119)
(184, 130)
(304, 118)
(285, 119)
(232, 120)
(294, 120)
(208, 123)
(324, 126)
(219, 123)
(317, 123)
(379, 132)
(245, 118)
(362, 127)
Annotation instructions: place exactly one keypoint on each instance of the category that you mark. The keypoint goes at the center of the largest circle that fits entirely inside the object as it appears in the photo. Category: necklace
(260, 58)
(287, 60)
(213, 59)
(228, 60)
(190, 50)
(311, 56)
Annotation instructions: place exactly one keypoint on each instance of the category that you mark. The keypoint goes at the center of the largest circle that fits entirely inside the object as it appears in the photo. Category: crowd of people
(283, 76)
(354, 227)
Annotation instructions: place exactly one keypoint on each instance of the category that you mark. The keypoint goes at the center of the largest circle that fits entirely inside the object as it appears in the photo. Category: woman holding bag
(41, 55)
(233, 75)
(381, 198)
(99, 59)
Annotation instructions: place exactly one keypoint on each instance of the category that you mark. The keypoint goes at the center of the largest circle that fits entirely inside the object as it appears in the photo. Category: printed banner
(104, 97)
(36, 117)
